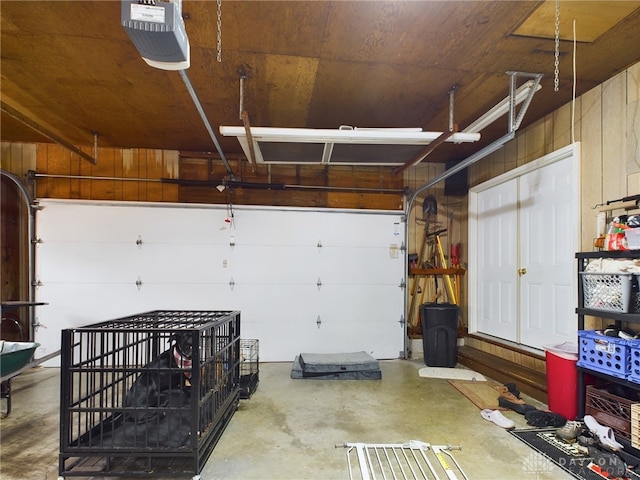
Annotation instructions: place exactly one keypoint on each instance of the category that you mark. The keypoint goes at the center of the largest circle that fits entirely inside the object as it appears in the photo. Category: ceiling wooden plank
(309, 64)
(592, 19)
(291, 81)
(22, 115)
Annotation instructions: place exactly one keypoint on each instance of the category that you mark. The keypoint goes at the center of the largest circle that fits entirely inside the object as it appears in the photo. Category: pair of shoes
(498, 418)
(538, 418)
(604, 433)
(517, 405)
(570, 430)
(509, 397)
(609, 463)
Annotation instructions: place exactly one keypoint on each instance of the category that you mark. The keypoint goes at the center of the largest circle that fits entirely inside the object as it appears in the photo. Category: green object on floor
(15, 355)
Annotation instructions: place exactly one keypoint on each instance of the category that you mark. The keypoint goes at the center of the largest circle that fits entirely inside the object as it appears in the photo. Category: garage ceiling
(70, 68)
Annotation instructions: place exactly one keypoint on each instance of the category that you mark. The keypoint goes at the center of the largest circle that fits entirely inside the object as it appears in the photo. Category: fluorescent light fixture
(365, 135)
(345, 146)
(501, 108)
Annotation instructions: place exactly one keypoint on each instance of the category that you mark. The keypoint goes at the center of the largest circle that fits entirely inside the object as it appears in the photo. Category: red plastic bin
(562, 379)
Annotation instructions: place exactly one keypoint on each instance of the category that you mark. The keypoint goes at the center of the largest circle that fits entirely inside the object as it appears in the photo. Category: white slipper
(498, 418)
(605, 434)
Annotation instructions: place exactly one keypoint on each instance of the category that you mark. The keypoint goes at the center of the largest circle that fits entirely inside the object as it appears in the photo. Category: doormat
(451, 373)
(482, 394)
(564, 455)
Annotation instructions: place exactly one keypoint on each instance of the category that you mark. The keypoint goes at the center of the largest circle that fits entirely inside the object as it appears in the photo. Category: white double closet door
(523, 235)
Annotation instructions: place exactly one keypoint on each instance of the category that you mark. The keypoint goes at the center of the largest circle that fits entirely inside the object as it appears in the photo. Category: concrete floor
(289, 428)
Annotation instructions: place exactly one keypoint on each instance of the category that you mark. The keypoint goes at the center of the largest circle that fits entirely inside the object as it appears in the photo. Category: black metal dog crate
(149, 394)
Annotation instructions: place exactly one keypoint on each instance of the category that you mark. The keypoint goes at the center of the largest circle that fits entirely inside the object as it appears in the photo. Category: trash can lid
(566, 350)
(441, 306)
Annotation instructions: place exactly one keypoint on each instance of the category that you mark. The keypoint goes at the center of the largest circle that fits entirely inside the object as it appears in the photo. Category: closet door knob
(522, 271)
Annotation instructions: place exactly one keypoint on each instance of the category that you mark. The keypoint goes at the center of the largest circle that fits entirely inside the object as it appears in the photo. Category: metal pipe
(226, 183)
(196, 101)
(88, 177)
(347, 189)
(489, 149)
(277, 186)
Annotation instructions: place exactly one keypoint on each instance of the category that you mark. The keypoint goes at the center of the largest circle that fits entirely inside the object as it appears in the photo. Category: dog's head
(184, 343)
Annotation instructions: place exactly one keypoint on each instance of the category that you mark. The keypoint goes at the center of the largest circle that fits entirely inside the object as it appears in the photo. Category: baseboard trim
(528, 381)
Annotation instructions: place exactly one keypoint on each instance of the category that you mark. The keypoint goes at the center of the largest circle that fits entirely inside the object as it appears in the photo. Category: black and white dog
(164, 382)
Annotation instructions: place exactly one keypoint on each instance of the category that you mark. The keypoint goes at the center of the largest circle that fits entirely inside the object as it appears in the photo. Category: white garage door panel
(172, 263)
(271, 304)
(272, 264)
(266, 227)
(365, 231)
(86, 225)
(188, 297)
(76, 262)
(307, 338)
(370, 303)
(181, 225)
(270, 274)
(75, 305)
(355, 265)
(330, 337)
(329, 228)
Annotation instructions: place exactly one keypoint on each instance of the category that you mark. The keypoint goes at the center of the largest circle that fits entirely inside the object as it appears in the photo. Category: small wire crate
(149, 394)
(249, 367)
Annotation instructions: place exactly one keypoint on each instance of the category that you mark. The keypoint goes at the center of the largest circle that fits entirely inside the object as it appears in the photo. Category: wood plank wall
(170, 176)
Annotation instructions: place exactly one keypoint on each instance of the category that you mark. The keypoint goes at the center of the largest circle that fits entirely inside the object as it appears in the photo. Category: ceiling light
(345, 146)
(400, 136)
(502, 108)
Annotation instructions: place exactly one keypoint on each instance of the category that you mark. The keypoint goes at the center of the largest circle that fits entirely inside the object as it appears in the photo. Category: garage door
(325, 281)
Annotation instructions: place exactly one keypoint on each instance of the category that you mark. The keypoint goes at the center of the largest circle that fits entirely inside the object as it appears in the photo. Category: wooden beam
(427, 151)
(47, 132)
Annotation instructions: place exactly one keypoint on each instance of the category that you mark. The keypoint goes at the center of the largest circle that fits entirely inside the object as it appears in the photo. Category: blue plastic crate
(600, 353)
(634, 373)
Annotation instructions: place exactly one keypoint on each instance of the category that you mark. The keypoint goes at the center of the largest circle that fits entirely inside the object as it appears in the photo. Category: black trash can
(439, 333)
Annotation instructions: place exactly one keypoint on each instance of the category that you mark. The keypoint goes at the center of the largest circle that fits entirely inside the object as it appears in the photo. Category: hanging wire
(556, 71)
